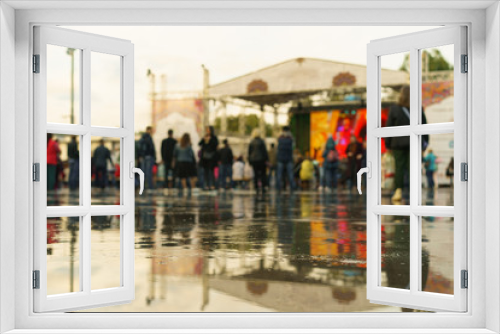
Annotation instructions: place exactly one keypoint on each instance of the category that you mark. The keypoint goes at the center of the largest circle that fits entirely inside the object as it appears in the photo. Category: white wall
(7, 159)
(275, 16)
(492, 153)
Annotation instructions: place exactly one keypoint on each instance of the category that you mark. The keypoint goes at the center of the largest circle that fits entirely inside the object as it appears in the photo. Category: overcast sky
(230, 51)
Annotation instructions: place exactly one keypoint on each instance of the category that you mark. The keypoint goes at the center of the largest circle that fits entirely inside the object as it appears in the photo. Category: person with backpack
(330, 165)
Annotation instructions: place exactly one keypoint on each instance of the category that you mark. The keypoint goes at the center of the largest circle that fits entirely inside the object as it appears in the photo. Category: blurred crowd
(210, 164)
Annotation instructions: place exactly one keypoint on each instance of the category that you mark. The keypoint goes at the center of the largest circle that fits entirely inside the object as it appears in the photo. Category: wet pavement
(238, 252)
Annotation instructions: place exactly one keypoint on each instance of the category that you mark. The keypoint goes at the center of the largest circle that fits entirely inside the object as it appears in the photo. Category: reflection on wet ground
(235, 252)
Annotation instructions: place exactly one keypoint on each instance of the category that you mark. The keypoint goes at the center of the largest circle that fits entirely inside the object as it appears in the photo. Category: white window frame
(484, 103)
(123, 51)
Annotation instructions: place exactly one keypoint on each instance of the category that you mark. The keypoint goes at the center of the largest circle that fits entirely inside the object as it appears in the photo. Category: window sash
(86, 297)
(413, 298)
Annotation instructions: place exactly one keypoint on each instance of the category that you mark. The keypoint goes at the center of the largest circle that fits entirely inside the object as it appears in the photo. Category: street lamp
(71, 53)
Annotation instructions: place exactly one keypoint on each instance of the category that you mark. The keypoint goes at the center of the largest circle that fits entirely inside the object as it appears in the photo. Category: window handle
(368, 171)
(139, 171)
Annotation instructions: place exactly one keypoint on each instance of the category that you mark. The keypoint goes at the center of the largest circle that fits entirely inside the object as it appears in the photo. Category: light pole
(71, 52)
(206, 86)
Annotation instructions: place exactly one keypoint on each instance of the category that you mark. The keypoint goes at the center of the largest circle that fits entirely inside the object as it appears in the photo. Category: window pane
(63, 256)
(105, 252)
(437, 84)
(105, 89)
(63, 169)
(394, 76)
(395, 170)
(437, 169)
(395, 242)
(105, 170)
(63, 85)
(437, 254)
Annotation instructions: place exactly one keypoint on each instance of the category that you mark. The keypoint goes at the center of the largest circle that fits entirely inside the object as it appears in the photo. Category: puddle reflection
(303, 252)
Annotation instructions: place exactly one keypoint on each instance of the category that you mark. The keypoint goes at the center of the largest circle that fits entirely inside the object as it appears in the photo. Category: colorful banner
(323, 123)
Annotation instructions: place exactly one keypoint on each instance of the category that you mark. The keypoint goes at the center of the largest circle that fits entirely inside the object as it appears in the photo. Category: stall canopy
(298, 78)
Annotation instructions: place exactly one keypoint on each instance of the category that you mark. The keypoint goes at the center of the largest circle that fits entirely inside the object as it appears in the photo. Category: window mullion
(85, 244)
(414, 165)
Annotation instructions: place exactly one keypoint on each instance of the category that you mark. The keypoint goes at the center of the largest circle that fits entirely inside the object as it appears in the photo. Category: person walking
(285, 159)
(74, 164)
(226, 165)
(101, 157)
(184, 162)
(53, 152)
(209, 144)
(258, 157)
(167, 154)
(330, 164)
(430, 168)
(399, 115)
(147, 156)
(272, 165)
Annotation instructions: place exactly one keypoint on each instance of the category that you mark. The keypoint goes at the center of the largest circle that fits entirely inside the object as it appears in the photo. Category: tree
(436, 61)
(251, 122)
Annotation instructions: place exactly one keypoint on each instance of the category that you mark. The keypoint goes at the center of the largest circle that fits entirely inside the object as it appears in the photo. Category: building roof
(300, 77)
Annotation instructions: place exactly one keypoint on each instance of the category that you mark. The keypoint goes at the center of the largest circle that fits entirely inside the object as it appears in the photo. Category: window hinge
(465, 64)
(36, 172)
(36, 279)
(36, 63)
(465, 279)
(464, 171)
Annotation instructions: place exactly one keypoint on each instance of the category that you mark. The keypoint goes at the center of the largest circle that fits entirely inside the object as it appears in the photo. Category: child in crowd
(306, 172)
(238, 172)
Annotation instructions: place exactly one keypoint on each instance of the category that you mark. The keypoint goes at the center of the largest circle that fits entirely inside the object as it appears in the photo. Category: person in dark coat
(399, 115)
(101, 157)
(74, 164)
(226, 165)
(273, 162)
(331, 164)
(285, 159)
(354, 154)
(258, 157)
(147, 156)
(167, 153)
(209, 144)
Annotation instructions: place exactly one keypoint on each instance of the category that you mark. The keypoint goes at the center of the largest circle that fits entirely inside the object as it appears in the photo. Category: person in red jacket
(53, 152)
